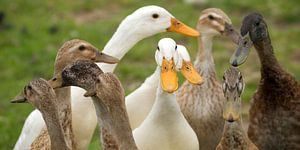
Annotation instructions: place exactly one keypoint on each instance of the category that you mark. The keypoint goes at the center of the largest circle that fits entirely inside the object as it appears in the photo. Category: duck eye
(158, 48)
(211, 17)
(176, 47)
(29, 87)
(81, 47)
(257, 23)
(155, 16)
(54, 79)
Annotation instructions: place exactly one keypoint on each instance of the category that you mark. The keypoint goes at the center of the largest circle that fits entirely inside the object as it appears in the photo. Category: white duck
(142, 23)
(165, 128)
(138, 108)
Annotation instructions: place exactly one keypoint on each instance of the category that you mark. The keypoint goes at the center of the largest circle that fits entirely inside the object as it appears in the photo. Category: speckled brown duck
(69, 52)
(202, 104)
(41, 95)
(275, 109)
(234, 137)
(108, 98)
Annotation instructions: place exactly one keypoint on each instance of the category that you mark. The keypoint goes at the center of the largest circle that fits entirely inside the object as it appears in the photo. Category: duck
(234, 136)
(147, 21)
(165, 128)
(113, 121)
(138, 108)
(274, 115)
(40, 94)
(202, 104)
(69, 52)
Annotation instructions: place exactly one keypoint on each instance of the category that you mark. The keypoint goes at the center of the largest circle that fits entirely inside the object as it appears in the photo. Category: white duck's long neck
(121, 42)
(204, 62)
(165, 106)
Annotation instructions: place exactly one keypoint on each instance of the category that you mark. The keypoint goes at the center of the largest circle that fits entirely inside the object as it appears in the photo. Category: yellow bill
(231, 114)
(190, 73)
(179, 27)
(169, 81)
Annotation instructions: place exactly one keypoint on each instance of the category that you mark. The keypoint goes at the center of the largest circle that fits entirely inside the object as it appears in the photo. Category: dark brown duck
(275, 109)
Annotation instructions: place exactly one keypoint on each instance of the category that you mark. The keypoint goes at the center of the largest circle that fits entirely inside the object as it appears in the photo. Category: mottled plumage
(40, 94)
(234, 136)
(202, 104)
(109, 101)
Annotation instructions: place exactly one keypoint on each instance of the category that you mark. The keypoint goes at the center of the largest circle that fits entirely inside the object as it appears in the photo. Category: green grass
(28, 48)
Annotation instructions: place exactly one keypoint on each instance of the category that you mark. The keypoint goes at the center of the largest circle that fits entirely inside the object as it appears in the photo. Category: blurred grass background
(31, 31)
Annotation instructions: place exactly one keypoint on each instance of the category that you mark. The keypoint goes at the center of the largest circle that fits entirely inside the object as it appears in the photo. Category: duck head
(214, 21)
(186, 66)
(167, 58)
(233, 87)
(38, 92)
(171, 57)
(80, 50)
(254, 30)
(149, 20)
(81, 73)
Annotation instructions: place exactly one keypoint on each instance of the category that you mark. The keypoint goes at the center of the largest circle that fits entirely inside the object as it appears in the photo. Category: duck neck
(204, 61)
(55, 129)
(121, 42)
(274, 80)
(114, 122)
(267, 58)
(165, 107)
(233, 134)
(65, 112)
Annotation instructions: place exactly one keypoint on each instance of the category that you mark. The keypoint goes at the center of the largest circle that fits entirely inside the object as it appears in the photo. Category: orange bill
(168, 76)
(179, 27)
(190, 73)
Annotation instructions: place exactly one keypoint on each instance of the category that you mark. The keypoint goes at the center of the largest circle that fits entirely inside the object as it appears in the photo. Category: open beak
(56, 81)
(169, 81)
(101, 57)
(179, 27)
(20, 98)
(231, 33)
(190, 73)
(241, 53)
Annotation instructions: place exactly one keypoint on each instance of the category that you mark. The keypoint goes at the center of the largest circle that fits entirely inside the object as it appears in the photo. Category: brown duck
(41, 95)
(234, 137)
(275, 109)
(108, 98)
(202, 104)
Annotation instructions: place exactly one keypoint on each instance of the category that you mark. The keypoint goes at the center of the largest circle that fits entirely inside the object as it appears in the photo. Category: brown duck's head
(254, 30)
(233, 87)
(214, 21)
(87, 75)
(38, 92)
(81, 73)
(76, 49)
